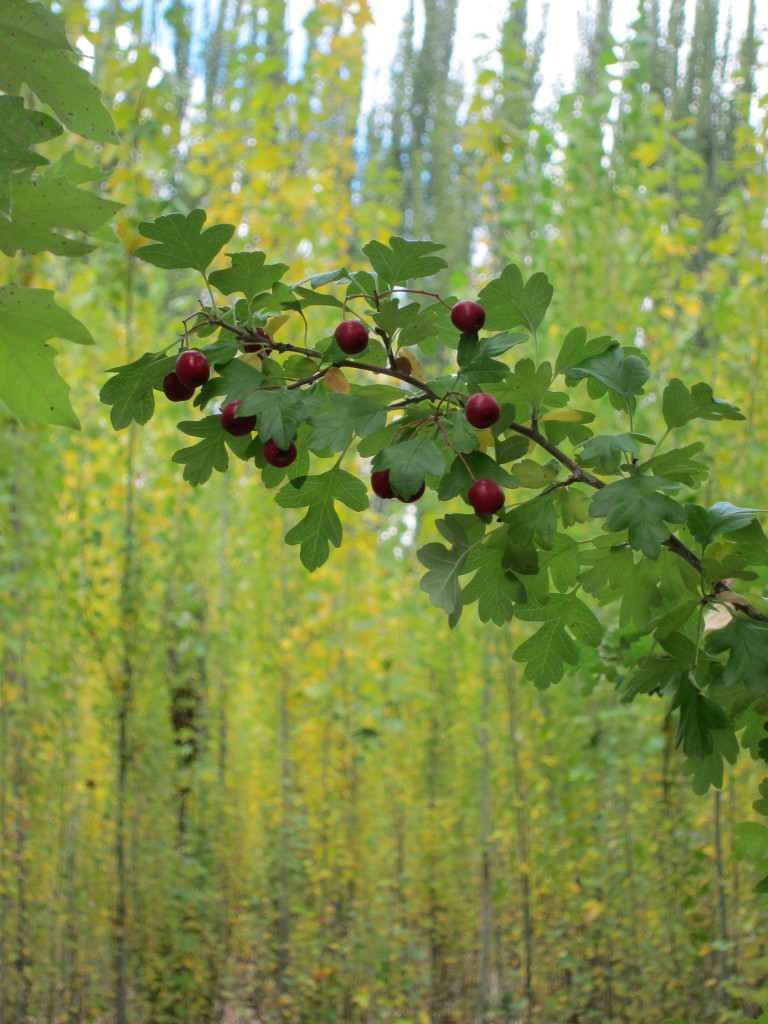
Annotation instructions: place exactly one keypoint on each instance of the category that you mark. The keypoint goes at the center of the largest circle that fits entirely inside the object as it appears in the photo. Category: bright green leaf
(181, 242)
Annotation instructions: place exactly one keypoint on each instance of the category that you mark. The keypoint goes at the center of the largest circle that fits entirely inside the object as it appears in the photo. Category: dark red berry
(380, 484)
(351, 337)
(482, 410)
(174, 390)
(468, 317)
(279, 457)
(486, 497)
(192, 368)
(237, 426)
(413, 497)
(262, 347)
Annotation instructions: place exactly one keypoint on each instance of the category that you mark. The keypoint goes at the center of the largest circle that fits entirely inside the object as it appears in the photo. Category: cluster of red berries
(482, 410)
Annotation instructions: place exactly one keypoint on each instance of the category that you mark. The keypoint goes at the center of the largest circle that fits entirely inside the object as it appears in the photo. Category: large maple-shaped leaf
(402, 261)
(679, 405)
(508, 302)
(747, 644)
(181, 241)
(20, 128)
(551, 647)
(638, 505)
(47, 210)
(199, 460)
(249, 274)
(321, 525)
(130, 393)
(30, 385)
(34, 51)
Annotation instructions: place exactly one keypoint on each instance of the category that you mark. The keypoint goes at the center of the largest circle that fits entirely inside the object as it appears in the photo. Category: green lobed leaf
(636, 504)
(721, 518)
(50, 214)
(607, 452)
(577, 350)
(181, 243)
(248, 275)
(130, 393)
(441, 582)
(747, 644)
(278, 414)
(409, 462)
(321, 525)
(624, 374)
(20, 128)
(551, 647)
(30, 384)
(199, 460)
(509, 303)
(707, 770)
(457, 481)
(496, 589)
(679, 465)
(526, 386)
(34, 51)
(699, 718)
(679, 405)
(341, 417)
(402, 261)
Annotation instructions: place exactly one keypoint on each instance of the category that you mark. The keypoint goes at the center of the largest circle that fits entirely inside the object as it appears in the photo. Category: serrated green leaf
(637, 505)
(20, 128)
(249, 275)
(679, 405)
(30, 384)
(607, 452)
(496, 589)
(699, 718)
(576, 349)
(46, 213)
(342, 417)
(199, 460)
(509, 303)
(321, 526)
(751, 843)
(721, 518)
(402, 261)
(551, 647)
(409, 462)
(624, 374)
(526, 386)
(707, 771)
(181, 242)
(747, 644)
(441, 582)
(34, 51)
(457, 481)
(278, 412)
(130, 393)
(679, 465)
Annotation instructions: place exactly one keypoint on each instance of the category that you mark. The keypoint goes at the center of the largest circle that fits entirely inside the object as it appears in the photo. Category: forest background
(232, 791)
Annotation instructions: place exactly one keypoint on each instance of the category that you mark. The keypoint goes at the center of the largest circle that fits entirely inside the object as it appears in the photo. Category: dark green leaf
(181, 242)
(409, 462)
(278, 413)
(210, 452)
(402, 261)
(249, 274)
(552, 647)
(624, 374)
(680, 406)
(722, 517)
(699, 718)
(130, 391)
(637, 505)
(577, 350)
(509, 303)
(747, 644)
(496, 589)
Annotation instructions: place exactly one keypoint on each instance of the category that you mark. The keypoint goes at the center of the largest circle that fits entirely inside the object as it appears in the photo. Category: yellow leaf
(408, 363)
(531, 474)
(563, 416)
(484, 439)
(592, 909)
(335, 380)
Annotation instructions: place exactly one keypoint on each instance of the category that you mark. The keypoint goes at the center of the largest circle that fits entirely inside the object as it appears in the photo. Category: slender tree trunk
(486, 919)
(722, 899)
(286, 813)
(520, 791)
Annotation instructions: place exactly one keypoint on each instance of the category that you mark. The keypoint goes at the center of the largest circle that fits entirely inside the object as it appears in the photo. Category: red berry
(237, 426)
(279, 457)
(482, 410)
(380, 484)
(192, 368)
(486, 497)
(468, 317)
(174, 390)
(413, 497)
(262, 347)
(351, 337)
